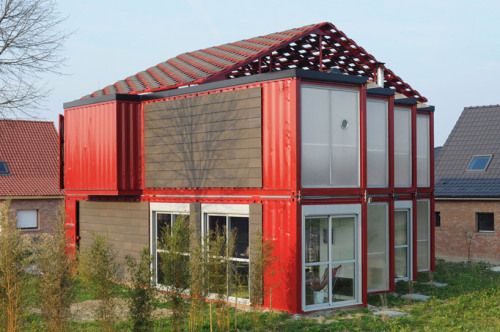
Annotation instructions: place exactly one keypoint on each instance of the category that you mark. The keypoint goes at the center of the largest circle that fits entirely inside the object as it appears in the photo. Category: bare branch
(31, 39)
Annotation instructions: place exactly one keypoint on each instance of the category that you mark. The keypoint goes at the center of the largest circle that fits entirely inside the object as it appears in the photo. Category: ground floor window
(27, 219)
(403, 239)
(423, 235)
(331, 264)
(236, 230)
(378, 247)
(485, 222)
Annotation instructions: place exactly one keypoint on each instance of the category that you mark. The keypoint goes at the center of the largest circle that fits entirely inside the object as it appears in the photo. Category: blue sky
(447, 50)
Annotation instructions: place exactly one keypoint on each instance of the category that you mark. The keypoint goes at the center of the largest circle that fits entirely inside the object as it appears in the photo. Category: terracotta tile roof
(31, 151)
(315, 47)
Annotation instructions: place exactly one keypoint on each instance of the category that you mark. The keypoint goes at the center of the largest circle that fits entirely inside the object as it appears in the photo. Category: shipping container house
(300, 134)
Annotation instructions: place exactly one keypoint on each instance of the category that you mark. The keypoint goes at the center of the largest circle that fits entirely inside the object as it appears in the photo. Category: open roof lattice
(319, 47)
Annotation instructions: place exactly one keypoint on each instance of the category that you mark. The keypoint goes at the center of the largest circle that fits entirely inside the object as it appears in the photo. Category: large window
(27, 219)
(423, 235)
(485, 222)
(377, 141)
(237, 226)
(378, 247)
(330, 260)
(330, 137)
(423, 151)
(402, 147)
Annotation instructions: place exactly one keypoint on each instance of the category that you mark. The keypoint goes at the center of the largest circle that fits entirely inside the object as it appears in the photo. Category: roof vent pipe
(380, 74)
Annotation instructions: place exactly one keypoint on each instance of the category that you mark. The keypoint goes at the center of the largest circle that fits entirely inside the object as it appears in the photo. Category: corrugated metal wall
(279, 145)
(103, 147)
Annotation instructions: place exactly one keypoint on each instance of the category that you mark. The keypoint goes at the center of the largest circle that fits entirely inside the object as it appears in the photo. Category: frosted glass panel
(342, 238)
(423, 158)
(401, 262)
(330, 137)
(376, 140)
(378, 266)
(345, 138)
(423, 263)
(400, 228)
(402, 147)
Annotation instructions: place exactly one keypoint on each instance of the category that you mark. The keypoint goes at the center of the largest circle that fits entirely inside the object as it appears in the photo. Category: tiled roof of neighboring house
(294, 48)
(476, 133)
(30, 150)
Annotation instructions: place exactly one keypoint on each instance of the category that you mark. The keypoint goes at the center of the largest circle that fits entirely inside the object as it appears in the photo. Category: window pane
(378, 267)
(401, 262)
(479, 163)
(164, 222)
(345, 138)
(400, 228)
(376, 140)
(315, 136)
(343, 289)
(316, 284)
(240, 226)
(316, 235)
(485, 222)
(423, 235)
(238, 285)
(343, 242)
(27, 219)
(423, 158)
(402, 147)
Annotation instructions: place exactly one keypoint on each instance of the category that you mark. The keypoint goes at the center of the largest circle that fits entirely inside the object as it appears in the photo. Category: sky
(449, 51)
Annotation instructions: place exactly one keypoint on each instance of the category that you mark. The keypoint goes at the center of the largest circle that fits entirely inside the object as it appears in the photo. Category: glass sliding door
(402, 244)
(331, 269)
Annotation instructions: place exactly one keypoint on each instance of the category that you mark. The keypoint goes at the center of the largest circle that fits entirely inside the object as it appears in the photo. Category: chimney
(380, 74)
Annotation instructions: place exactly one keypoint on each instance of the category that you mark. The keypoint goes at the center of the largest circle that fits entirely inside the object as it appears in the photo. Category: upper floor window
(402, 147)
(377, 142)
(479, 163)
(330, 137)
(423, 151)
(3, 168)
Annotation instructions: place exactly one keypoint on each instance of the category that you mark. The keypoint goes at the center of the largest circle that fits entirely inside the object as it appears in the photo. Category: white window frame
(347, 210)
(29, 212)
(167, 208)
(408, 206)
(387, 247)
(485, 167)
(227, 210)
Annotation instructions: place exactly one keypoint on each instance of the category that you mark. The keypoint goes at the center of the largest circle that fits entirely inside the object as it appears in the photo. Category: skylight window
(479, 163)
(3, 168)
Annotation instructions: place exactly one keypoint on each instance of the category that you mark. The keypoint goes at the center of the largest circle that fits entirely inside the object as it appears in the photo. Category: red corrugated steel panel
(90, 147)
(282, 224)
(279, 129)
(129, 145)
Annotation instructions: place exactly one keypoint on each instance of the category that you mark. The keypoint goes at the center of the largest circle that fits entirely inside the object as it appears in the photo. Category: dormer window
(479, 163)
(3, 168)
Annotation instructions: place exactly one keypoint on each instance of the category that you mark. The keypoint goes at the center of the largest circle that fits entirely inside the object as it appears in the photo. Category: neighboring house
(285, 134)
(468, 187)
(29, 173)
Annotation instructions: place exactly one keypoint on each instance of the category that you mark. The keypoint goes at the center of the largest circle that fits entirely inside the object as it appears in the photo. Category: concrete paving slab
(495, 268)
(437, 284)
(415, 297)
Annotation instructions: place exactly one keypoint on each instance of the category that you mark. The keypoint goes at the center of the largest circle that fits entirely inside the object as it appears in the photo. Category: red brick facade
(47, 212)
(459, 217)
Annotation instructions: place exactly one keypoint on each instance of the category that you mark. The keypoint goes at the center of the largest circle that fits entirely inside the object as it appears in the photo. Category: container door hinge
(298, 196)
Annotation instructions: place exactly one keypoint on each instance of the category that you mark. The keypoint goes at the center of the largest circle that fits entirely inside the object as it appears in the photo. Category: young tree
(56, 279)
(31, 39)
(98, 269)
(12, 265)
(141, 293)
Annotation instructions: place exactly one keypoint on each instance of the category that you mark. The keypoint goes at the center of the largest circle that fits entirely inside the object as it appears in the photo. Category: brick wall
(47, 212)
(458, 217)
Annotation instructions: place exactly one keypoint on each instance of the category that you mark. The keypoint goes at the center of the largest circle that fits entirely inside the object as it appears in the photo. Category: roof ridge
(483, 106)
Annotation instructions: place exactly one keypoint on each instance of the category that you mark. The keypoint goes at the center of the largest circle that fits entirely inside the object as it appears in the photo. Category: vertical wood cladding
(205, 141)
(125, 223)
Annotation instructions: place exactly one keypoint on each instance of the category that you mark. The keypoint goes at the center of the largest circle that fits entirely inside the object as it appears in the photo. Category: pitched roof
(477, 132)
(315, 47)
(30, 150)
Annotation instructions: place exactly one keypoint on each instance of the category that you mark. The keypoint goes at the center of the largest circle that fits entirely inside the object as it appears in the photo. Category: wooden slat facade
(212, 140)
(125, 223)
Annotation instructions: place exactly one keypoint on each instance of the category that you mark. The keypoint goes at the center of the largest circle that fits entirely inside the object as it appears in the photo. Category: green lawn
(470, 302)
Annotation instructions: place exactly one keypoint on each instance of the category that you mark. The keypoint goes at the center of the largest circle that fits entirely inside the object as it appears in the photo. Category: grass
(471, 301)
